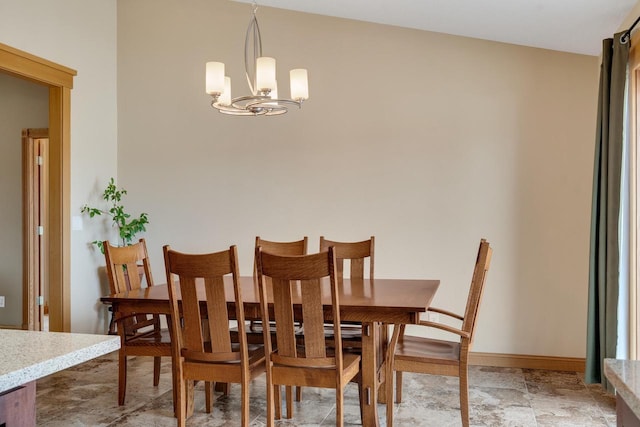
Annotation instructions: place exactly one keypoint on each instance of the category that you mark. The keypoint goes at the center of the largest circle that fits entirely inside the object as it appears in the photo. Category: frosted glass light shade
(225, 98)
(215, 78)
(299, 84)
(265, 73)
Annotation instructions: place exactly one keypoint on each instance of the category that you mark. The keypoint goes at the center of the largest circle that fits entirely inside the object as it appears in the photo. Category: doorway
(59, 80)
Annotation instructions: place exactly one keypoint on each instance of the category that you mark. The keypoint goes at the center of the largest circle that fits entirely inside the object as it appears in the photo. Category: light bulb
(265, 74)
(225, 98)
(299, 84)
(214, 81)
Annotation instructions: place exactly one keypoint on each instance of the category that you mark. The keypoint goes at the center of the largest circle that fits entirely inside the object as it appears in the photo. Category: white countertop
(28, 355)
(624, 375)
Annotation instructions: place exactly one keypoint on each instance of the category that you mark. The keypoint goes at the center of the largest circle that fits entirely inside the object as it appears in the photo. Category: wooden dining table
(369, 302)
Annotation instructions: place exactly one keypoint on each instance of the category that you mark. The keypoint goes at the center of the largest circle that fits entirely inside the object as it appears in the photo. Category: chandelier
(261, 78)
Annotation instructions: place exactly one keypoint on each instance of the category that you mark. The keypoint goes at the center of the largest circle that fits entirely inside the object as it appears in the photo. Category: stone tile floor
(86, 395)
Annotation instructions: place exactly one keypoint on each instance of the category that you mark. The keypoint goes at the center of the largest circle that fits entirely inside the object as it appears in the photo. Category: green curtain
(604, 258)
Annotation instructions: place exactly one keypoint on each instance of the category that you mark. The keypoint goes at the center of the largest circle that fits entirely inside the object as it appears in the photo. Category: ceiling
(566, 25)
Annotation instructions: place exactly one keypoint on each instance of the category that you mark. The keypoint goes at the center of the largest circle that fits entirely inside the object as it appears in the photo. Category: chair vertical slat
(192, 330)
(283, 312)
(357, 268)
(340, 268)
(132, 276)
(121, 283)
(217, 315)
(313, 319)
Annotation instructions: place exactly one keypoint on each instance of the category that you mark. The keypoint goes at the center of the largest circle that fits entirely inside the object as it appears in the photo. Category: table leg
(382, 346)
(369, 374)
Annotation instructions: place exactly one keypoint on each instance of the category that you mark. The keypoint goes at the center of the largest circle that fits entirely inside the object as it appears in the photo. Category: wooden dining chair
(255, 333)
(439, 357)
(310, 362)
(200, 327)
(356, 255)
(140, 334)
(297, 247)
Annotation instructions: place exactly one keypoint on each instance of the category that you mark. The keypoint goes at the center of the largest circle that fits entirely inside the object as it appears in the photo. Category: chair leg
(245, 404)
(156, 371)
(361, 397)
(398, 386)
(208, 396)
(289, 396)
(272, 401)
(298, 394)
(339, 407)
(464, 395)
(122, 377)
(222, 388)
(182, 402)
(277, 401)
(189, 397)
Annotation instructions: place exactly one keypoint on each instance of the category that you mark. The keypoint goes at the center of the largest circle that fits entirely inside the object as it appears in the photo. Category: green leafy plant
(127, 226)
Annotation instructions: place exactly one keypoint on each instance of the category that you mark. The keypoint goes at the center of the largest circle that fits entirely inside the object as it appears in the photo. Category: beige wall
(427, 141)
(22, 105)
(80, 34)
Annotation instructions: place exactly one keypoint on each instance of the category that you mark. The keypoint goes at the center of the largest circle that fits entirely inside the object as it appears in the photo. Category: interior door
(35, 155)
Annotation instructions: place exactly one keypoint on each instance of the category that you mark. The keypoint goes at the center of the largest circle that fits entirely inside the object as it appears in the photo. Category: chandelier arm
(287, 101)
(257, 98)
(230, 110)
(252, 42)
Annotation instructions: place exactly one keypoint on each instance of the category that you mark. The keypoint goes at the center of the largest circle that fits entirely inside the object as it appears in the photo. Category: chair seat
(255, 352)
(251, 348)
(427, 350)
(314, 376)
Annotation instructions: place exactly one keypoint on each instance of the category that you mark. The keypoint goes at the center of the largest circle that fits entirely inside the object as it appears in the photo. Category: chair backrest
(203, 334)
(300, 278)
(355, 253)
(297, 247)
(122, 266)
(483, 261)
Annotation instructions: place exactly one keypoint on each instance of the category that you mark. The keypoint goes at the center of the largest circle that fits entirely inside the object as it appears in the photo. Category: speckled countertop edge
(28, 355)
(624, 375)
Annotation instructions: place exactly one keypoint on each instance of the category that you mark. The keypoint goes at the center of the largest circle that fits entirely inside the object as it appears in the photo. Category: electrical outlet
(1, 302)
